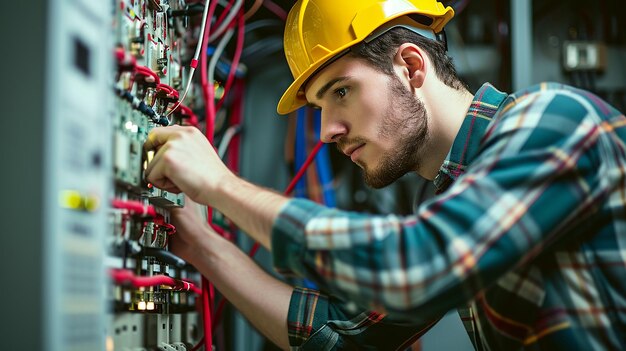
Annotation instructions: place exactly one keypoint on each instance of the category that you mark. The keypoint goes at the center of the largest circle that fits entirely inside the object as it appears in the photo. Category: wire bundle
(216, 33)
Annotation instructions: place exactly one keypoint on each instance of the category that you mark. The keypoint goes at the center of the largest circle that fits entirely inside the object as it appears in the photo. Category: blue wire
(223, 66)
(300, 152)
(322, 162)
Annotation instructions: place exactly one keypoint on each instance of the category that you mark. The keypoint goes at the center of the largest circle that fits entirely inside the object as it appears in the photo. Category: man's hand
(236, 276)
(192, 231)
(184, 161)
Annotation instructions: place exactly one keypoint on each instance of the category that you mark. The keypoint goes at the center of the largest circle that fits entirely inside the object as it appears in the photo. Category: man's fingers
(159, 136)
(156, 168)
(170, 187)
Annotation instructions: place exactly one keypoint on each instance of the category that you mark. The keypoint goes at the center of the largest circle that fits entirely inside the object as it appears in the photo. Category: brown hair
(380, 51)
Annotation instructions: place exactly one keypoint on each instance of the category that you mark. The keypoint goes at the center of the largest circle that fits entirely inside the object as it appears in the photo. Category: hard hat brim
(294, 98)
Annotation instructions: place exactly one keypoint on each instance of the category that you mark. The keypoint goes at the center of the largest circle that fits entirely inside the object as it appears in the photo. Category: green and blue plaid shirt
(527, 236)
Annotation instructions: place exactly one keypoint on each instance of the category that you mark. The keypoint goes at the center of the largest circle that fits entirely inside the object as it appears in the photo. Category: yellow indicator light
(132, 13)
(71, 199)
(141, 305)
(150, 306)
(92, 203)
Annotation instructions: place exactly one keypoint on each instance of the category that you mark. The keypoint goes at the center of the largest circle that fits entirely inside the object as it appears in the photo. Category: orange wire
(255, 7)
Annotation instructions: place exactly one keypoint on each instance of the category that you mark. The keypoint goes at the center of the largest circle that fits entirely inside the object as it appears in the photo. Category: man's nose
(333, 128)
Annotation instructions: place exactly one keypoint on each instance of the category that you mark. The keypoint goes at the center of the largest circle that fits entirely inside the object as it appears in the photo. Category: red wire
(186, 113)
(304, 167)
(210, 110)
(294, 181)
(134, 207)
(146, 71)
(236, 58)
(122, 276)
(224, 13)
(206, 311)
(277, 10)
(218, 312)
(236, 119)
(168, 91)
(198, 345)
(207, 93)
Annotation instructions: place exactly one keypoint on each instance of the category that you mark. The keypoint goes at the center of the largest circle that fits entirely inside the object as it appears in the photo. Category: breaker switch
(584, 56)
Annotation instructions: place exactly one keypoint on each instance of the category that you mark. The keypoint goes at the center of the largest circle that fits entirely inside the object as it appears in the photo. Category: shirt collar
(486, 103)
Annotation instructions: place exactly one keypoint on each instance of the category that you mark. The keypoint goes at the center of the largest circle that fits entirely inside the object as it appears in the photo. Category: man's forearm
(251, 207)
(261, 298)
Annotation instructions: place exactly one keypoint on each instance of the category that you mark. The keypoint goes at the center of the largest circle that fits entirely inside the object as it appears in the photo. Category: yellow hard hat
(318, 30)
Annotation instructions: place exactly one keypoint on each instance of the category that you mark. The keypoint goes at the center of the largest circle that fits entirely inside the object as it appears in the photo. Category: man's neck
(446, 108)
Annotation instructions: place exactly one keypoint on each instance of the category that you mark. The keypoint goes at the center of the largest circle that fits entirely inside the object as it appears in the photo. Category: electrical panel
(87, 245)
(76, 174)
(152, 295)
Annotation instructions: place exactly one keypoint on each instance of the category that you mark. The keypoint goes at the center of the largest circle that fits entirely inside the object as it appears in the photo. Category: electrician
(527, 235)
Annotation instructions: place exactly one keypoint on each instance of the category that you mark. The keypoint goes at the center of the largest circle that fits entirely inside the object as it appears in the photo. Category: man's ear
(411, 59)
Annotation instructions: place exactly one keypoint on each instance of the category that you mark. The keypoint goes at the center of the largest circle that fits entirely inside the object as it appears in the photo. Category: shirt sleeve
(533, 180)
(320, 322)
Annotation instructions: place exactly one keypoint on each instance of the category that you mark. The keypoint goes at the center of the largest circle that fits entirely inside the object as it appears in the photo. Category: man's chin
(377, 181)
(383, 175)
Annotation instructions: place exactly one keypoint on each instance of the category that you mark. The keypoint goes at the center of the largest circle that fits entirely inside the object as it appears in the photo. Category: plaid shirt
(529, 229)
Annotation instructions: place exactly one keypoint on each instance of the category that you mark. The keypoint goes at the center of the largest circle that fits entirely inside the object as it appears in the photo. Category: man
(528, 229)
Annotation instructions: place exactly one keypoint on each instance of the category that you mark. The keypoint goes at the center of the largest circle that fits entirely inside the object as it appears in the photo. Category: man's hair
(380, 51)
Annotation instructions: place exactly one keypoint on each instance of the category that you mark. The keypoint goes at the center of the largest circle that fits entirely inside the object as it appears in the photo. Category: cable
(207, 79)
(142, 107)
(324, 168)
(164, 256)
(134, 207)
(124, 276)
(134, 249)
(300, 153)
(146, 71)
(236, 118)
(207, 93)
(187, 114)
(227, 138)
(275, 9)
(226, 23)
(206, 311)
(263, 23)
(218, 52)
(196, 55)
(253, 9)
(223, 67)
(224, 13)
(262, 48)
(198, 345)
(235, 63)
(210, 120)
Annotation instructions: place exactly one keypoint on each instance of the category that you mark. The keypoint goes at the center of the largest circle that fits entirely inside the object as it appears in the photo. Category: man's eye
(341, 92)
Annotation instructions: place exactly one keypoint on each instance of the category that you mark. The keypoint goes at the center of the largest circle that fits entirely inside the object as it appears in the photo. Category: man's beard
(406, 121)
